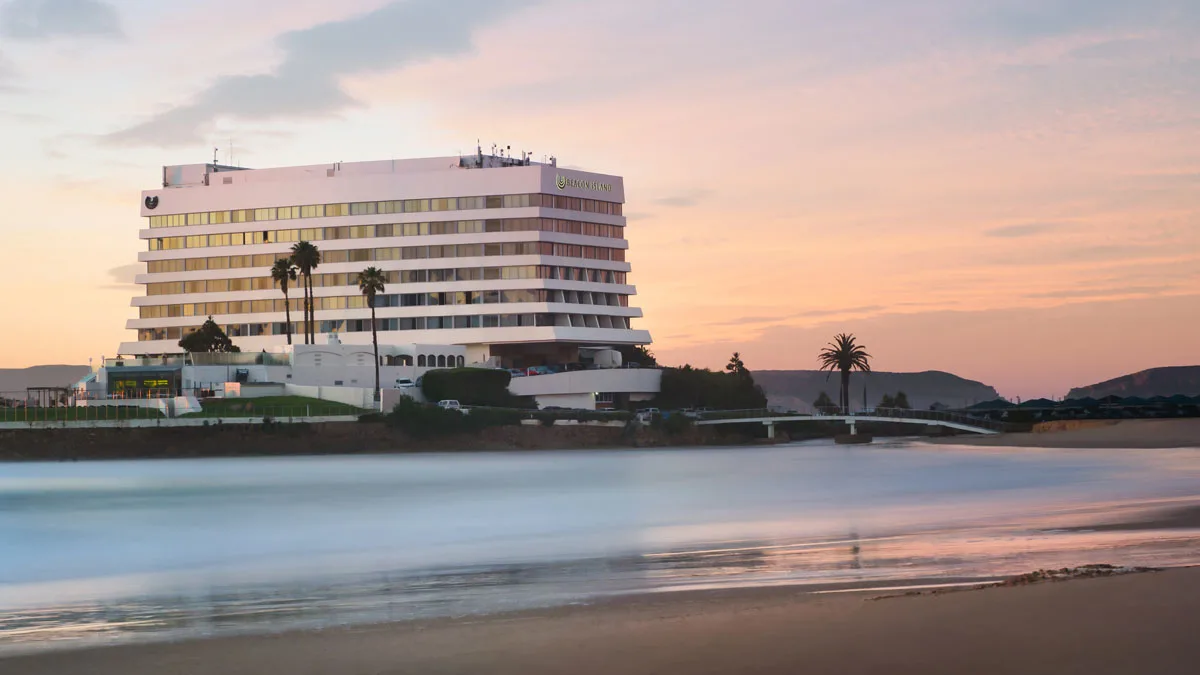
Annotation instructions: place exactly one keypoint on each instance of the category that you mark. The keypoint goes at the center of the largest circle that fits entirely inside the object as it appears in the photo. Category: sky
(1008, 190)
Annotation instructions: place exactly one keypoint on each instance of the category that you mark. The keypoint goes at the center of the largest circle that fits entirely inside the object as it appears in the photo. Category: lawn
(274, 406)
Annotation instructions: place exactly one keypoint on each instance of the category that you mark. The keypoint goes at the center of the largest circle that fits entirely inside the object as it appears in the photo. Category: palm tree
(370, 283)
(306, 258)
(845, 355)
(284, 272)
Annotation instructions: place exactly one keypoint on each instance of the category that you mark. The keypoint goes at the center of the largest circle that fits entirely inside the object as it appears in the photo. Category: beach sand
(1140, 623)
(1180, 433)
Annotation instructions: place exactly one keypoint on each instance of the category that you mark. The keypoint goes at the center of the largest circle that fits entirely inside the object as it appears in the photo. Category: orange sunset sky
(1005, 189)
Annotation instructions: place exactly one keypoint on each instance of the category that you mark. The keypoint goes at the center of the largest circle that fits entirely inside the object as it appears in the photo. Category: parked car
(574, 366)
(517, 372)
(404, 383)
(450, 405)
(647, 415)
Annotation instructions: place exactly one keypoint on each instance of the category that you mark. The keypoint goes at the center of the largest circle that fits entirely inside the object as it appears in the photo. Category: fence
(248, 409)
(22, 407)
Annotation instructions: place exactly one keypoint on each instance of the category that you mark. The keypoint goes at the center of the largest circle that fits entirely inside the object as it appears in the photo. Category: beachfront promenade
(885, 415)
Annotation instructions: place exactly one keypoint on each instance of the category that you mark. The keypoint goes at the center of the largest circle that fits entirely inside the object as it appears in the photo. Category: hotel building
(519, 263)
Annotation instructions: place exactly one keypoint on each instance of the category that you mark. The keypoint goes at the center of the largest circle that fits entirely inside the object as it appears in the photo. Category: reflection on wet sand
(112, 555)
(947, 555)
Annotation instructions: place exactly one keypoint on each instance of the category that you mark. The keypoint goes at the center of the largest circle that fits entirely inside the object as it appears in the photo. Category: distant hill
(1154, 382)
(797, 389)
(19, 379)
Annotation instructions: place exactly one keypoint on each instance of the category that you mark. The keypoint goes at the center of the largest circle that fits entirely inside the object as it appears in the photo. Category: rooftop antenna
(215, 151)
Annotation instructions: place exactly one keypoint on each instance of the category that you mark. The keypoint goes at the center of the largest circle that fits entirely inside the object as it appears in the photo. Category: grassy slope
(274, 406)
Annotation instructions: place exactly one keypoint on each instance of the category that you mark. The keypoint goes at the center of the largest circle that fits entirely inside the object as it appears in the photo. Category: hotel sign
(565, 182)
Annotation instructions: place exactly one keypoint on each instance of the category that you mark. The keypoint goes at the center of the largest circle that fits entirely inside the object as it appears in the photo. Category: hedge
(471, 387)
(423, 420)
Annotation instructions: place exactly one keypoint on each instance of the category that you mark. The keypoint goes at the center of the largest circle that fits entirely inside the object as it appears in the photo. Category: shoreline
(357, 438)
(1118, 624)
(1140, 434)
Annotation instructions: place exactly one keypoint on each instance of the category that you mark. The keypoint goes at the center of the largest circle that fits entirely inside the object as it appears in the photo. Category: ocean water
(108, 552)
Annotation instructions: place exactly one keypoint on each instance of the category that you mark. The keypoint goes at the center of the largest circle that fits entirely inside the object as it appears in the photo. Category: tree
(844, 355)
(902, 401)
(736, 365)
(370, 283)
(284, 272)
(639, 354)
(887, 401)
(209, 338)
(824, 403)
(306, 257)
(689, 387)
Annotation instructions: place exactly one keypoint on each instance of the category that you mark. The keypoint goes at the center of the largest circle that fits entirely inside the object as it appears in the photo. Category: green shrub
(672, 424)
(549, 417)
(471, 386)
(425, 421)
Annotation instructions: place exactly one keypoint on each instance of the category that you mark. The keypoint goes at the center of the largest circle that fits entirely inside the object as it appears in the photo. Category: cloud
(122, 277)
(1028, 20)
(1023, 230)
(307, 83)
(7, 73)
(810, 314)
(1102, 292)
(46, 19)
(683, 200)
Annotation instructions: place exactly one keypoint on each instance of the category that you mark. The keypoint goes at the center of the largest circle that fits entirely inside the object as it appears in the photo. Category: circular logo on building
(562, 182)
(152, 202)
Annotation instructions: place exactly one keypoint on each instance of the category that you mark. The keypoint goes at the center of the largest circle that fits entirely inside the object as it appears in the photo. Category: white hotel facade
(518, 263)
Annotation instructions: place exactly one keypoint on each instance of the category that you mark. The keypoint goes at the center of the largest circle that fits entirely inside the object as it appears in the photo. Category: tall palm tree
(845, 355)
(370, 283)
(284, 272)
(306, 257)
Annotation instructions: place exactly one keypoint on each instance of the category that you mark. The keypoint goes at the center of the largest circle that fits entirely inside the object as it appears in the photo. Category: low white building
(346, 373)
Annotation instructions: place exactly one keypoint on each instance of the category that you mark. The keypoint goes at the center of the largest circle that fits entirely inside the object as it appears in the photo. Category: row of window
(364, 325)
(392, 230)
(585, 274)
(397, 253)
(418, 253)
(386, 207)
(381, 301)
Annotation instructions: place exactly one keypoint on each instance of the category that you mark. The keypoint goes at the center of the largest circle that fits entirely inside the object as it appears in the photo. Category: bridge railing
(938, 416)
(892, 413)
(751, 413)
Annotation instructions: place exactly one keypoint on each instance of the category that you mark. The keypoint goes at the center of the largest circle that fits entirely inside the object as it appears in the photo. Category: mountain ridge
(797, 389)
(1165, 381)
(17, 380)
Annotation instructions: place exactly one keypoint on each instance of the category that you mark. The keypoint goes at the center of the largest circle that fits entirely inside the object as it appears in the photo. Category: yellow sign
(565, 182)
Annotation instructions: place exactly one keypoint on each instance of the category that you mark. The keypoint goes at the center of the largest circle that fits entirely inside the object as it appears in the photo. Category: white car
(646, 415)
(450, 405)
(404, 383)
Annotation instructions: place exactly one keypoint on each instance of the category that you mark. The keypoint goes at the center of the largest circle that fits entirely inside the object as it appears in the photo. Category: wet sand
(1134, 434)
(1141, 623)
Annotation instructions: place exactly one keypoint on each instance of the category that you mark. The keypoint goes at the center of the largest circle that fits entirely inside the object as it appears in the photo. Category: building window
(441, 360)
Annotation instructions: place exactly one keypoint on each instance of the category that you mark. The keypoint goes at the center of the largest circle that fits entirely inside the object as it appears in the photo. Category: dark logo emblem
(152, 202)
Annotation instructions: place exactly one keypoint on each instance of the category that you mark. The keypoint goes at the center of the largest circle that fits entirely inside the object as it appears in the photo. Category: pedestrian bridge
(886, 415)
